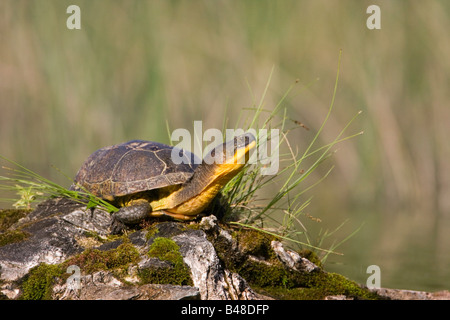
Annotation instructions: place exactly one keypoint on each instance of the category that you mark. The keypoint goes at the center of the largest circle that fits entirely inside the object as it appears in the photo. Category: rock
(292, 259)
(103, 285)
(53, 230)
(67, 252)
(400, 294)
(60, 229)
(338, 297)
(208, 273)
(168, 292)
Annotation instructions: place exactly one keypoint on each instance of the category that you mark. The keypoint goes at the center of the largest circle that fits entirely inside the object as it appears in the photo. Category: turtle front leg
(131, 214)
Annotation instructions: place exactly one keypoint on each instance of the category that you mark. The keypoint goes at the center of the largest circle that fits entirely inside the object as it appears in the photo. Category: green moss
(268, 274)
(7, 219)
(95, 236)
(10, 216)
(12, 236)
(311, 256)
(192, 226)
(165, 249)
(318, 286)
(336, 284)
(257, 263)
(273, 278)
(92, 260)
(39, 280)
(282, 283)
(151, 232)
(176, 273)
(250, 242)
(255, 243)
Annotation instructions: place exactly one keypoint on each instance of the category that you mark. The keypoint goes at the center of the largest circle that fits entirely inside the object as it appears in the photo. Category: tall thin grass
(282, 211)
(30, 187)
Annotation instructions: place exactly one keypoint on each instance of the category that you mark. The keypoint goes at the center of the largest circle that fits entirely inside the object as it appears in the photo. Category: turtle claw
(117, 226)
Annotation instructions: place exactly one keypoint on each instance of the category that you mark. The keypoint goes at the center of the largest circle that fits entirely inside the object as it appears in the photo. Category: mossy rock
(12, 237)
(255, 243)
(7, 219)
(38, 283)
(254, 259)
(151, 232)
(10, 216)
(311, 256)
(92, 260)
(152, 255)
(165, 249)
(174, 271)
(318, 286)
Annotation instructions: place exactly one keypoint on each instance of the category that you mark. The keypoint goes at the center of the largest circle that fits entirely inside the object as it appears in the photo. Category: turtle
(151, 179)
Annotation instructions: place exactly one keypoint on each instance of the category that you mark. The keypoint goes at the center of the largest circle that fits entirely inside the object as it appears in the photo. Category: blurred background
(136, 65)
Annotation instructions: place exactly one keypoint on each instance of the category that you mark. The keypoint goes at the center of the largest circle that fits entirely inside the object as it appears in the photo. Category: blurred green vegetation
(136, 65)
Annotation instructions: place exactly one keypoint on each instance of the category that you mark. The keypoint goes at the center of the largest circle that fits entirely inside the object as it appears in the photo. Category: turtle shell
(130, 167)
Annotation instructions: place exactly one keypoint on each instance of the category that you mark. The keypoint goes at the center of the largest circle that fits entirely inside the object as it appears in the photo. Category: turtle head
(233, 154)
(219, 166)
